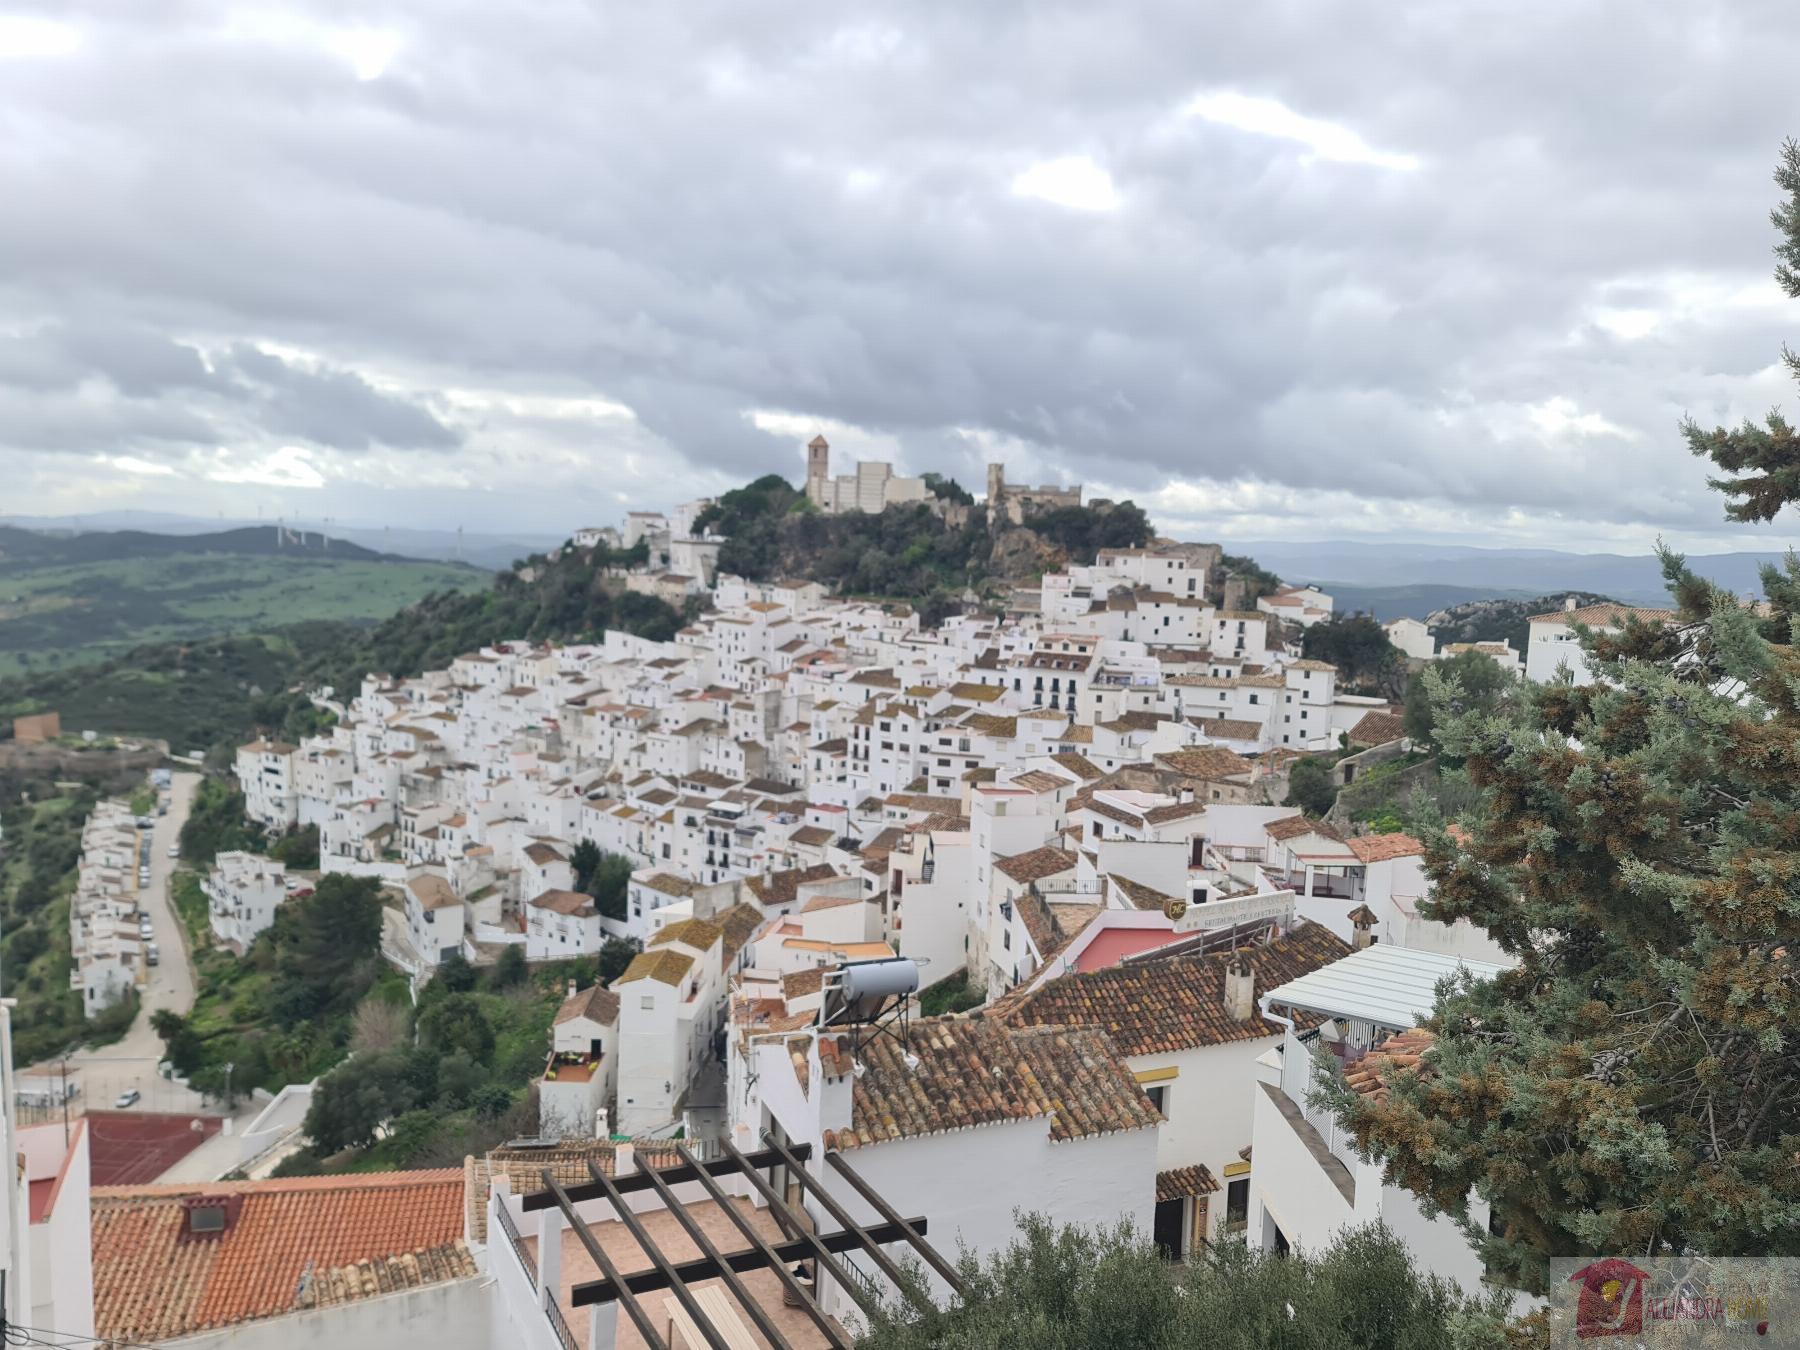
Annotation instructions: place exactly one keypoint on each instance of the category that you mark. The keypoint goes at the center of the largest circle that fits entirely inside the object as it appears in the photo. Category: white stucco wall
(970, 1183)
(454, 1316)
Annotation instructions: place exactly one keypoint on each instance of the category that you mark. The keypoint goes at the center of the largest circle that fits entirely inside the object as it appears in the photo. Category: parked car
(152, 955)
(174, 850)
(146, 822)
(145, 931)
(129, 1097)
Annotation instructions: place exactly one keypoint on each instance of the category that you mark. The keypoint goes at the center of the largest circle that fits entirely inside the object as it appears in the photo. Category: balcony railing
(1297, 1071)
(518, 1243)
(1070, 886)
(559, 1326)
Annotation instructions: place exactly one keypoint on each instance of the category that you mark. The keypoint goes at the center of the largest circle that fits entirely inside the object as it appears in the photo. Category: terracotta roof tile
(1209, 762)
(1378, 728)
(1178, 1182)
(1371, 848)
(1037, 864)
(1371, 1075)
(973, 1072)
(596, 1002)
(1175, 1003)
(154, 1281)
(781, 888)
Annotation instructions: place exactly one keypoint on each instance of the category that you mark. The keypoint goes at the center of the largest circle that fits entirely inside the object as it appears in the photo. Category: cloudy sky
(1284, 269)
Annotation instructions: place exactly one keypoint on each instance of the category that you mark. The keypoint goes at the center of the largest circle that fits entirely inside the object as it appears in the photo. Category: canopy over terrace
(1385, 986)
(800, 1244)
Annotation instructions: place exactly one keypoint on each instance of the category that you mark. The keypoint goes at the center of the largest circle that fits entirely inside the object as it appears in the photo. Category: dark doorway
(1167, 1228)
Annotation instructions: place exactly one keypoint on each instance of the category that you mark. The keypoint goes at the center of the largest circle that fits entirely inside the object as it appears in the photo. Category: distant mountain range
(493, 552)
(1390, 580)
(36, 548)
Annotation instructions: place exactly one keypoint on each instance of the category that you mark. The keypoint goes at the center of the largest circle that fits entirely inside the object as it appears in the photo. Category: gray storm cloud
(1482, 258)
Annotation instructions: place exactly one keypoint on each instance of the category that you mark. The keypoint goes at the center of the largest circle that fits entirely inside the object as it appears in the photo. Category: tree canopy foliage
(1761, 464)
(1481, 683)
(605, 876)
(1066, 1288)
(1632, 1087)
(1357, 645)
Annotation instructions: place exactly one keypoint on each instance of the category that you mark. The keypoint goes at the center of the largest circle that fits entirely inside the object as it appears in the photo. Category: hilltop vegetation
(77, 600)
(1501, 620)
(212, 692)
(907, 552)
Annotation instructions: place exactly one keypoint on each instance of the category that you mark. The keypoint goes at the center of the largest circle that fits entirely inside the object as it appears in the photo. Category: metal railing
(559, 1326)
(511, 1230)
(1297, 1076)
(1070, 887)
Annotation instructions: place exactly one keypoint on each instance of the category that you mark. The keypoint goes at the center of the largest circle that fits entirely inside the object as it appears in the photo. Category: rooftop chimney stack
(1240, 987)
(1568, 604)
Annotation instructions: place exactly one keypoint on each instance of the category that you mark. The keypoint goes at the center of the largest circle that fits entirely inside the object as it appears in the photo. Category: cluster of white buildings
(243, 890)
(1076, 810)
(1552, 650)
(106, 934)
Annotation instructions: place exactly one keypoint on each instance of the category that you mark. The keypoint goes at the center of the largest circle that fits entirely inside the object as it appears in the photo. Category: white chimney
(601, 1124)
(1569, 604)
(1240, 987)
(571, 989)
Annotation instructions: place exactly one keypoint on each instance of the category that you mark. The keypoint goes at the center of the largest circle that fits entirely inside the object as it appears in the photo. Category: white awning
(1390, 986)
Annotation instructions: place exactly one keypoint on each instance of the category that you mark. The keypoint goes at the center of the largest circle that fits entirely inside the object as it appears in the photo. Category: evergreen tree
(1633, 1086)
(1077, 1289)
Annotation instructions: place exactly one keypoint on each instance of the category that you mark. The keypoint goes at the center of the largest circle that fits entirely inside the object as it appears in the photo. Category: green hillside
(74, 601)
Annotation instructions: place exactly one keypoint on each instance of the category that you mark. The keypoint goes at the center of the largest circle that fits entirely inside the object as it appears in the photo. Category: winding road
(108, 1070)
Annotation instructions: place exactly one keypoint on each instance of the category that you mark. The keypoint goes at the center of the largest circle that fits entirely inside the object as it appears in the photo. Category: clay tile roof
(543, 853)
(358, 1235)
(1038, 780)
(1178, 1182)
(696, 933)
(1037, 864)
(664, 964)
(1228, 728)
(569, 903)
(596, 1002)
(780, 888)
(1209, 762)
(431, 891)
(1162, 815)
(1371, 848)
(1000, 728)
(668, 884)
(524, 1168)
(974, 1072)
(740, 924)
(1080, 765)
(1140, 895)
(1372, 1075)
(1377, 728)
(810, 836)
(1291, 827)
(798, 983)
(1605, 615)
(1176, 1003)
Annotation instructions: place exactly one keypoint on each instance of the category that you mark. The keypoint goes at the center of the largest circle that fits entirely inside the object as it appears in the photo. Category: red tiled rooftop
(153, 1281)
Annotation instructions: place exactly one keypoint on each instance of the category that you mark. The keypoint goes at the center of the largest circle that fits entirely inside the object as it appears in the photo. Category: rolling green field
(58, 615)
